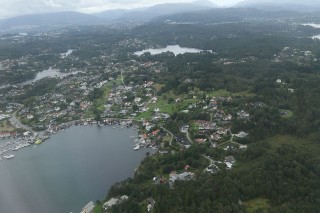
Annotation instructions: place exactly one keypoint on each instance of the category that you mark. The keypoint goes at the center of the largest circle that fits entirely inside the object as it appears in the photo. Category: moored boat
(9, 156)
(38, 141)
(136, 147)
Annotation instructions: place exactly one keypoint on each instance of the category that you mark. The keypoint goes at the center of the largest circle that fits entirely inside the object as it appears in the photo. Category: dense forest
(278, 174)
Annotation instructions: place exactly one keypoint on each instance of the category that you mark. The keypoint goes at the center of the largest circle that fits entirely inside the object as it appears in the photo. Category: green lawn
(225, 93)
(243, 93)
(144, 115)
(98, 209)
(99, 103)
(6, 126)
(257, 205)
(309, 144)
(170, 108)
(165, 107)
(289, 114)
(219, 93)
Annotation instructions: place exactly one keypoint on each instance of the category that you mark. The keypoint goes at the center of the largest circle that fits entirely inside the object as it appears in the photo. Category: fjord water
(67, 171)
(52, 73)
(175, 49)
(317, 26)
(48, 73)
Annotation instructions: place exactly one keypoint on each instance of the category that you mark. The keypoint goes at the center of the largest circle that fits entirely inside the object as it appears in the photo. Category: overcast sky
(11, 8)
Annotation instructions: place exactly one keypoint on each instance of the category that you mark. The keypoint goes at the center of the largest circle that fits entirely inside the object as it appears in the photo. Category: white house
(114, 201)
(241, 134)
(88, 208)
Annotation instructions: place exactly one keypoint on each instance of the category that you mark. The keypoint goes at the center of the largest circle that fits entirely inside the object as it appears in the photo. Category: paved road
(170, 133)
(188, 137)
(226, 142)
(230, 141)
(212, 162)
(122, 78)
(17, 124)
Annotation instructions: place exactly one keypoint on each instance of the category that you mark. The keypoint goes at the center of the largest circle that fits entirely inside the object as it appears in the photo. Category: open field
(5, 126)
(257, 205)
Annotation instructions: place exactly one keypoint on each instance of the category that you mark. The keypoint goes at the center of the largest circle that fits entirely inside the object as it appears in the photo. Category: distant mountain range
(50, 19)
(76, 18)
(201, 9)
(147, 14)
(225, 15)
(276, 5)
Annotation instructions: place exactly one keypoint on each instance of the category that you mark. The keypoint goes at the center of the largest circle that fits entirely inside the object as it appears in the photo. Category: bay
(316, 37)
(48, 73)
(52, 73)
(175, 49)
(68, 170)
(312, 25)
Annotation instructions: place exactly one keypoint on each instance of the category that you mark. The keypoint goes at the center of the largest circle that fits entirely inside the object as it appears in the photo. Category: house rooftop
(88, 208)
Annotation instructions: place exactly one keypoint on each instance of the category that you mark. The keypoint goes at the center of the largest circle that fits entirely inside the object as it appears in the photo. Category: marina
(67, 170)
(37, 138)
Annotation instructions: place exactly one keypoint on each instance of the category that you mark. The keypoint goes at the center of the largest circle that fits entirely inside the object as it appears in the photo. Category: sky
(11, 8)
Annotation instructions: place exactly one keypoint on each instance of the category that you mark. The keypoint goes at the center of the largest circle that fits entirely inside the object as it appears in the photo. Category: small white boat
(9, 156)
(136, 147)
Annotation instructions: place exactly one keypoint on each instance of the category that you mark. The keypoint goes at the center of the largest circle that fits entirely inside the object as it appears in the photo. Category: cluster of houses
(69, 101)
(4, 134)
(4, 116)
(117, 200)
(296, 55)
(184, 176)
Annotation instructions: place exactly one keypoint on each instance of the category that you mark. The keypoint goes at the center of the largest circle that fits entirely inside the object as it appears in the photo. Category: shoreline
(75, 149)
(29, 137)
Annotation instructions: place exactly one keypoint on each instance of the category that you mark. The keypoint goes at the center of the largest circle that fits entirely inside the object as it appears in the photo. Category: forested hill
(229, 15)
(278, 175)
(50, 19)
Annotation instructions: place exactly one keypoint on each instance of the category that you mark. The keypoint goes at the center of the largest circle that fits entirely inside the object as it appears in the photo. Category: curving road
(170, 133)
(17, 124)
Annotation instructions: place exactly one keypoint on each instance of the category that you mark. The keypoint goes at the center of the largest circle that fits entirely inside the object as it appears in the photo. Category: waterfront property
(88, 208)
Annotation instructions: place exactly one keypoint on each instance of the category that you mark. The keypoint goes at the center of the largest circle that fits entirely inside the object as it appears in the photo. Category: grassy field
(165, 107)
(309, 144)
(219, 93)
(257, 205)
(288, 115)
(99, 103)
(5, 126)
(244, 93)
(144, 115)
(225, 93)
(98, 209)
(158, 86)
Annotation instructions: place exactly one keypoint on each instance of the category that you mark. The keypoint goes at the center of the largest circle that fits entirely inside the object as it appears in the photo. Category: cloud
(226, 2)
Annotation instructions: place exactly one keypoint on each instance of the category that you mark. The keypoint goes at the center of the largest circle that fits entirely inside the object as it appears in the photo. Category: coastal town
(119, 95)
(196, 113)
(112, 93)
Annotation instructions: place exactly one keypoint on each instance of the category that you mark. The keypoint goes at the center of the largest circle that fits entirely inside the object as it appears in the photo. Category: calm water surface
(316, 37)
(175, 49)
(43, 74)
(314, 26)
(68, 170)
(48, 73)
